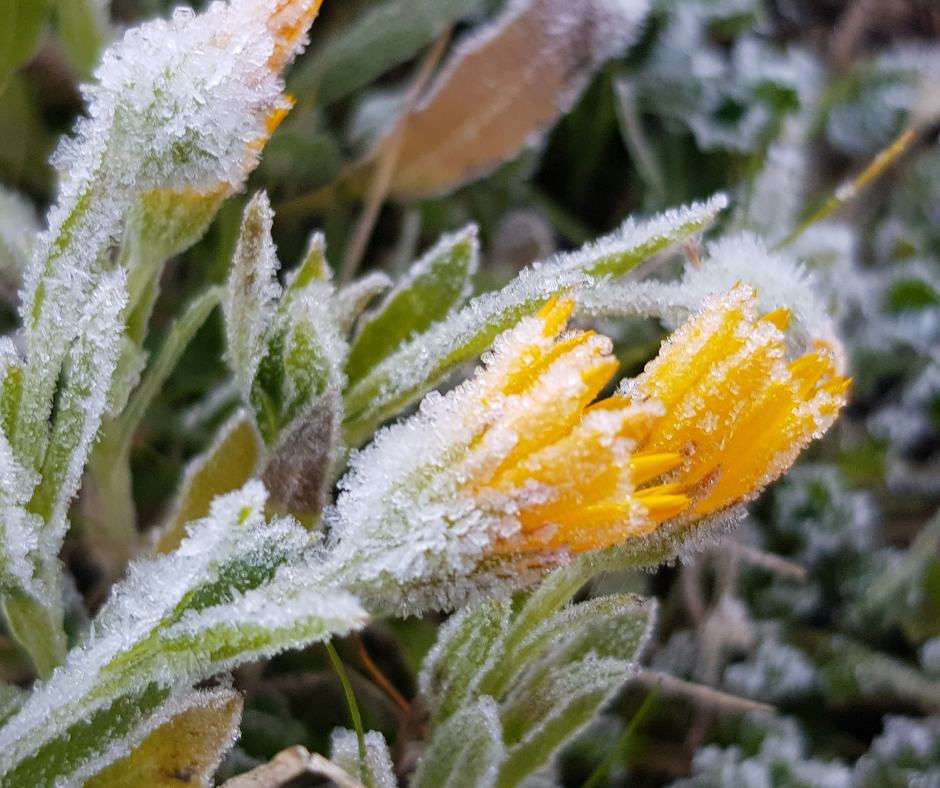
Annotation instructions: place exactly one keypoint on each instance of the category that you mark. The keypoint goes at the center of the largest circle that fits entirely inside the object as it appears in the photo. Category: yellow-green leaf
(184, 751)
(224, 467)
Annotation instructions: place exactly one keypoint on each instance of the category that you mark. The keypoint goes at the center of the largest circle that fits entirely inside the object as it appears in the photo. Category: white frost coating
(776, 195)
(178, 104)
(93, 359)
(665, 228)
(780, 282)
(344, 752)
(781, 760)
(293, 608)
(777, 673)
(19, 529)
(141, 612)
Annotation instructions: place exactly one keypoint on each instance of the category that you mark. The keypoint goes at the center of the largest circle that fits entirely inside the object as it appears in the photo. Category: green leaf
(433, 286)
(637, 241)
(466, 751)
(453, 674)
(547, 668)
(66, 748)
(389, 35)
(237, 588)
(83, 28)
(250, 304)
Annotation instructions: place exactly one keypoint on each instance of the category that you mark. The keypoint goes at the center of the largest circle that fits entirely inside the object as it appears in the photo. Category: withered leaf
(503, 88)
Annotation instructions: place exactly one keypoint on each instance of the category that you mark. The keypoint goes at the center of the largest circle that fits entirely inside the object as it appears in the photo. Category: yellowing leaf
(503, 88)
(184, 751)
(224, 467)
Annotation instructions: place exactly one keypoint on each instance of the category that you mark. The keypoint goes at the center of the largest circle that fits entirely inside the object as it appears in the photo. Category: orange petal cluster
(735, 407)
(715, 417)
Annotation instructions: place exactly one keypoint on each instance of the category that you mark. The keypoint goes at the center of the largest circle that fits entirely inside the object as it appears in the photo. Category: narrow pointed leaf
(433, 286)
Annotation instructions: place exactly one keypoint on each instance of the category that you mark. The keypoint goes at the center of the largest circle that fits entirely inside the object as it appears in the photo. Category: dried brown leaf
(503, 88)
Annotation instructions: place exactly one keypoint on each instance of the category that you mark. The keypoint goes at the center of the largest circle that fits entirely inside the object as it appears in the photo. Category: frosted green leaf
(37, 520)
(466, 752)
(389, 35)
(185, 748)
(379, 770)
(636, 241)
(286, 350)
(250, 314)
(548, 668)
(433, 286)
(464, 655)
(237, 588)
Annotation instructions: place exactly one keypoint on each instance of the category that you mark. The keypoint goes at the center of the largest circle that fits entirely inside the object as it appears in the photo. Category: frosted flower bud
(188, 103)
(516, 471)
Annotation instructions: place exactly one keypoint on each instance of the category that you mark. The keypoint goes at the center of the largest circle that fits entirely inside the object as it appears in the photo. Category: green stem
(109, 463)
(604, 766)
(849, 190)
(178, 338)
(353, 706)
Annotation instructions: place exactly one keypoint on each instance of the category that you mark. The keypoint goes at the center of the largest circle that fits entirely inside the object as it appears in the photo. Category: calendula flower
(736, 408)
(520, 468)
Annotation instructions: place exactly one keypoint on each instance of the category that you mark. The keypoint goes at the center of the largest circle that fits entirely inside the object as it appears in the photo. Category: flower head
(521, 467)
(736, 408)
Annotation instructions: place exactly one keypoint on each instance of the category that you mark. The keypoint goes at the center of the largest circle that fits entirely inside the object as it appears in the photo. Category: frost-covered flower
(736, 408)
(515, 471)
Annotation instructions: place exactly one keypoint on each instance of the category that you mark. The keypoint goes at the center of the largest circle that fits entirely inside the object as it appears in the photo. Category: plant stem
(849, 190)
(353, 706)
